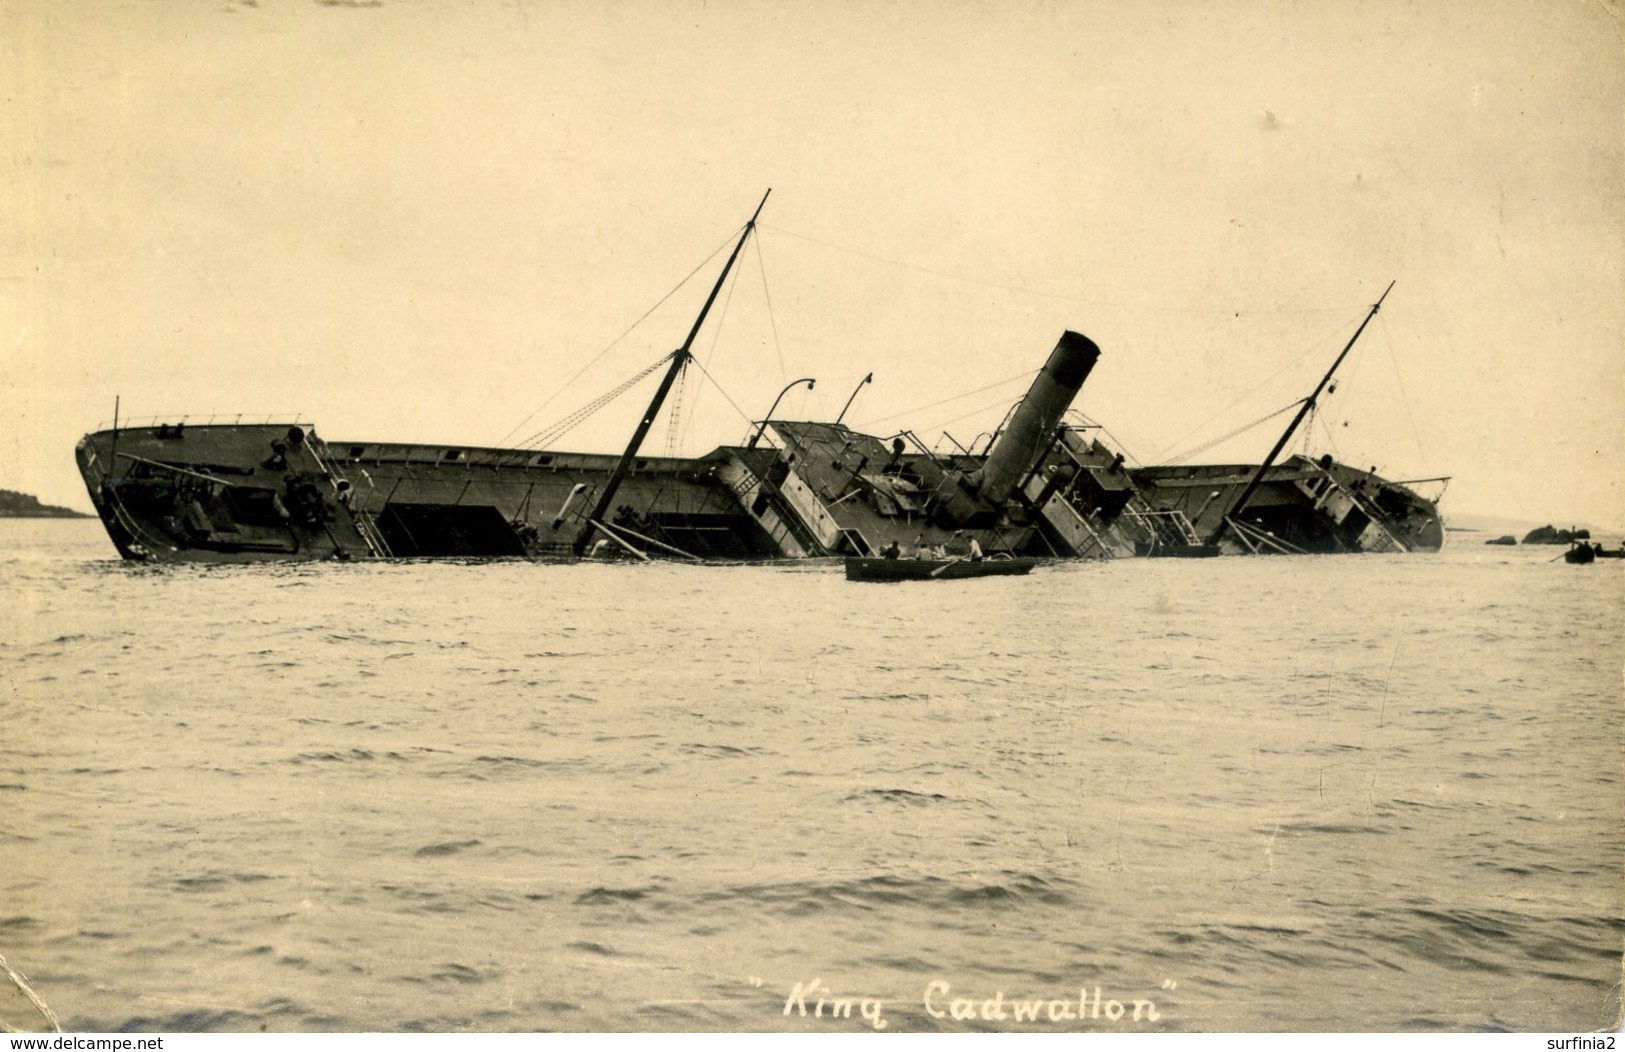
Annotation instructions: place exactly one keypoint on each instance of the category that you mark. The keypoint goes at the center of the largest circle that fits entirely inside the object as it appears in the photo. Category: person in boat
(966, 547)
(891, 551)
(921, 549)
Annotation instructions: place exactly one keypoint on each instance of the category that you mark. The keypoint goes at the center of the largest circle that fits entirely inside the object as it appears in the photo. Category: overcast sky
(423, 220)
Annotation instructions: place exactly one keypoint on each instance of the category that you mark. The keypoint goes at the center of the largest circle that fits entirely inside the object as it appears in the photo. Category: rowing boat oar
(944, 566)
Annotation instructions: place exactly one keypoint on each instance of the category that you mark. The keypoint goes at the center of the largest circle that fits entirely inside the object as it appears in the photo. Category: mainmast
(1286, 436)
(679, 358)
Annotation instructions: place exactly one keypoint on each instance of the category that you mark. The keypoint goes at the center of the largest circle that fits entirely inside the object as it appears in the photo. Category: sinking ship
(1044, 486)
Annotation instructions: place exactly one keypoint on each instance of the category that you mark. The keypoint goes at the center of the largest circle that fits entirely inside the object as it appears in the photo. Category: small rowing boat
(1580, 553)
(863, 569)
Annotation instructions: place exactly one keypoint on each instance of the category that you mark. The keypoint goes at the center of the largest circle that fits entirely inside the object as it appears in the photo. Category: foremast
(679, 358)
(1308, 405)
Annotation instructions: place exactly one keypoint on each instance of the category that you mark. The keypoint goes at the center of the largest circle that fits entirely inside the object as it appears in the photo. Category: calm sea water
(1344, 793)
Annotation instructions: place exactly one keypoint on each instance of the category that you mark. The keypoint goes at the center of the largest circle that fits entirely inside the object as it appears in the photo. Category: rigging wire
(1330, 439)
(905, 412)
(1094, 300)
(761, 263)
(716, 333)
(1349, 381)
(928, 270)
(742, 414)
(1205, 446)
(1404, 396)
(962, 416)
(1117, 442)
(550, 434)
(611, 344)
(1314, 347)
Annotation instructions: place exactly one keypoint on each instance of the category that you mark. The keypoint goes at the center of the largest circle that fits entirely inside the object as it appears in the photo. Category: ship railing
(364, 525)
(1256, 539)
(1182, 524)
(198, 420)
(1165, 527)
(1142, 523)
(1442, 481)
(370, 533)
(857, 541)
(942, 463)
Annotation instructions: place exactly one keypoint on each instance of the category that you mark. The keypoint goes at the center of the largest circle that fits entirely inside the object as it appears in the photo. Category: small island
(1551, 535)
(16, 505)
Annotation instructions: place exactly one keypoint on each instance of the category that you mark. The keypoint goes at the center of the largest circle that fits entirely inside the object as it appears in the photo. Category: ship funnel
(1023, 442)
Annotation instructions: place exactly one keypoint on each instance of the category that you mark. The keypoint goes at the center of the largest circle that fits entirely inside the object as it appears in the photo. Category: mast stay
(679, 358)
(1308, 406)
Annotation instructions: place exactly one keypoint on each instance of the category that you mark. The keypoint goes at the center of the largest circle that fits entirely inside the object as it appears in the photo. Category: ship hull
(278, 492)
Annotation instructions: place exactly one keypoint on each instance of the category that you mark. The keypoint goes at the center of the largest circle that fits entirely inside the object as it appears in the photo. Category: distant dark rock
(22, 506)
(1504, 539)
(1552, 535)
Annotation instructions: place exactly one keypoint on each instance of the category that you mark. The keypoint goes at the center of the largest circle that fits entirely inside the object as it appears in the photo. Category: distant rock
(1504, 539)
(23, 506)
(1550, 535)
